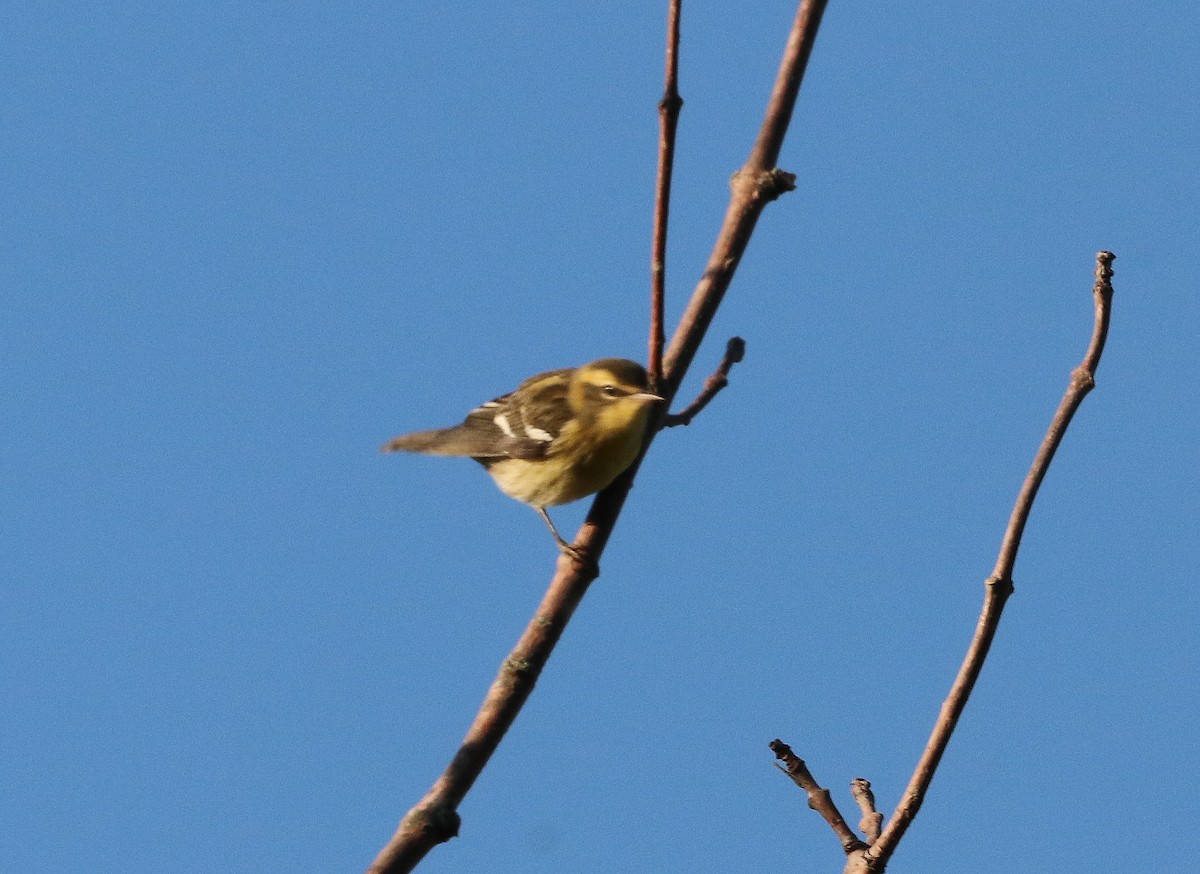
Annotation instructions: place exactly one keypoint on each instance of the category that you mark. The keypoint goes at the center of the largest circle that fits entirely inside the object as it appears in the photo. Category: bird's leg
(578, 554)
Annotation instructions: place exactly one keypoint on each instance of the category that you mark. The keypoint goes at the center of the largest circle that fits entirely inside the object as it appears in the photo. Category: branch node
(671, 103)
(441, 821)
(517, 665)
(1002, 586)
(1082, 379)
(775, 182)
(763, 185)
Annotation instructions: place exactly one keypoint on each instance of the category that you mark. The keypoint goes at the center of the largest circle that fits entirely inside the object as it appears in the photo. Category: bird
(559, 436)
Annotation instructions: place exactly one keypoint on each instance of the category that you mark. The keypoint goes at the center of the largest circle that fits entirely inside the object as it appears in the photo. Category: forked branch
(1000, 584)
(755, 185)
(819, 798)
(434, 818)
(874, 858)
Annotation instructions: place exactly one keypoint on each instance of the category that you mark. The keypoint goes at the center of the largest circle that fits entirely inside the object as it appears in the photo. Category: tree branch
(872, 820)
(735, 351)
(668, 120)
(434, 818)
(999, 585)
(818, 799)
(755, 185)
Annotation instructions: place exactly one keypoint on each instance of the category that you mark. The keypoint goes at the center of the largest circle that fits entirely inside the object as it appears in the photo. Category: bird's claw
(581, 557)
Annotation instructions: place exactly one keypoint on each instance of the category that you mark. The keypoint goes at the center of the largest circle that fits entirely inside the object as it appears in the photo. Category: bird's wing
(504, 427)
(525, 423)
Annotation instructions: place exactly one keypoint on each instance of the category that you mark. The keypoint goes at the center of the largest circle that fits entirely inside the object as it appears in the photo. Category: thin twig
(872, 820)
(999, 585)
(434, 818)
(668, 121)
(818, 799)
(735, 351)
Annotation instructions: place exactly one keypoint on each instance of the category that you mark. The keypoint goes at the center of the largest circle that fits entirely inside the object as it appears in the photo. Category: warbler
(561, 435)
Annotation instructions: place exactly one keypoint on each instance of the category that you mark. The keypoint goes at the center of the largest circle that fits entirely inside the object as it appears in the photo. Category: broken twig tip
(735, 350)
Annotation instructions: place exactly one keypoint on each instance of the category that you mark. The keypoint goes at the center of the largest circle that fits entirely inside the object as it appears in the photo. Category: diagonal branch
(999, 584)
(735, 351)
(434, 819)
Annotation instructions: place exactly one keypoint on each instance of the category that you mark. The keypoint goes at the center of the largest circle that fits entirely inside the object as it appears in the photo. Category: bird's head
(613, 392)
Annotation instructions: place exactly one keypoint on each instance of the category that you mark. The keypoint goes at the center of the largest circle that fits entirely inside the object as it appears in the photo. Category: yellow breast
(582, 461)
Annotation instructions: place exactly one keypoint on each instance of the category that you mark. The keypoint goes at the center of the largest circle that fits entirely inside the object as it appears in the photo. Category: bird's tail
(442, 441)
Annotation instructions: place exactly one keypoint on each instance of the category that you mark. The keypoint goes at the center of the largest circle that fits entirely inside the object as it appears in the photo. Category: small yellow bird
(559, 436)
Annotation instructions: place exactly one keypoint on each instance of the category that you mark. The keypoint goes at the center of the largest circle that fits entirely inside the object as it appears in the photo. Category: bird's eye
(610, 391)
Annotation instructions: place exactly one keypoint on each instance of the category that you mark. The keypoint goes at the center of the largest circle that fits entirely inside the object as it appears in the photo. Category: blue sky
(243, 246)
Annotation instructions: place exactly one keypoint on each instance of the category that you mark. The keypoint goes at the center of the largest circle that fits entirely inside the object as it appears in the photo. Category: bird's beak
(645, 397)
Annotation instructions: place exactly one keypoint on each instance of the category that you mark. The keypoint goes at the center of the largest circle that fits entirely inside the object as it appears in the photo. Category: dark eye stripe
(604, 392)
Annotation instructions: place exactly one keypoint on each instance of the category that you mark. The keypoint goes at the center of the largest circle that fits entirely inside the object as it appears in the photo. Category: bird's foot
(581, 557)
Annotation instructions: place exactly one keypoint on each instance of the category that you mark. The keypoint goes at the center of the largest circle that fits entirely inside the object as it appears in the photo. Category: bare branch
(999, 586)
(872, 819)
(735, 351)
(668, 120)
(1083, 380)
(818, 798)
(787, 85)
(434, 819)
(755, 185)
